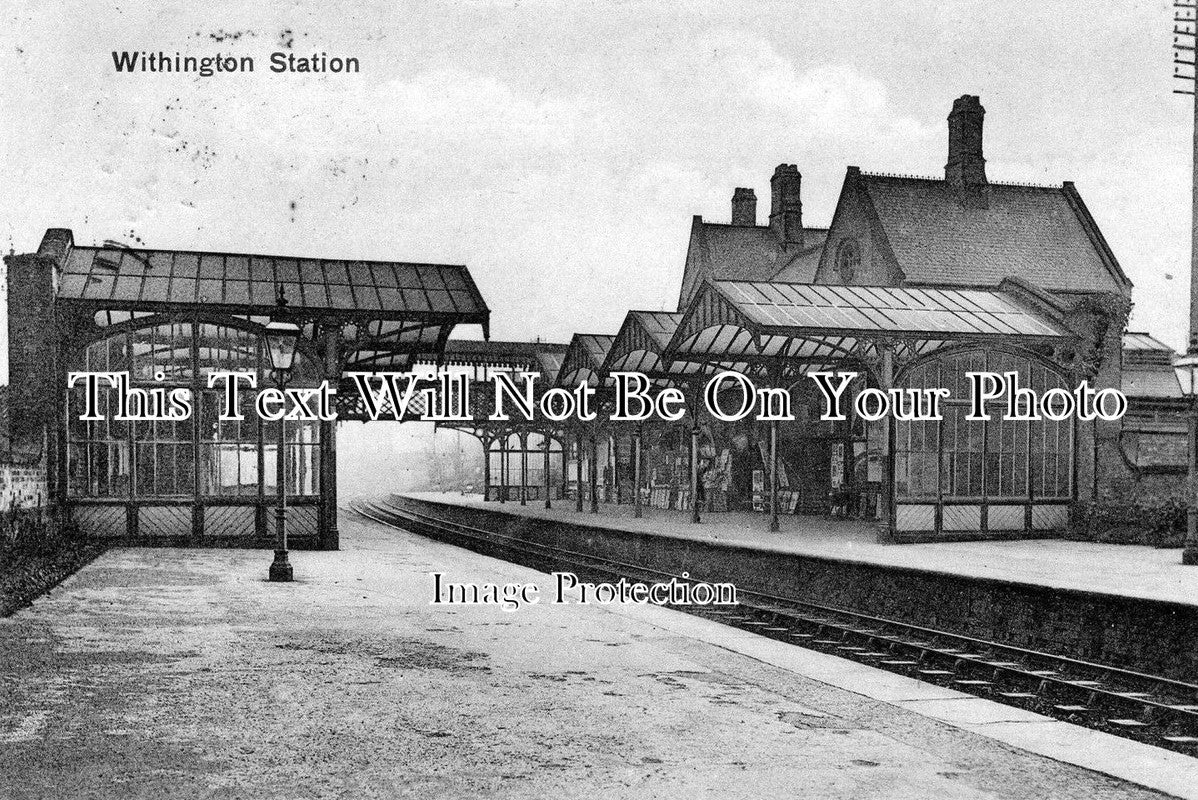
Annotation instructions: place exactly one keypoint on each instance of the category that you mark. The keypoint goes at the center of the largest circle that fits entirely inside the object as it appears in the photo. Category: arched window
(956, 459)
(848, 259)
(202, 455)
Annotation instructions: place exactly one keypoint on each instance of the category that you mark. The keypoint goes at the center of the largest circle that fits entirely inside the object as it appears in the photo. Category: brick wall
(25, 517)
(22, 486)
(1144, 486)
(32, 391)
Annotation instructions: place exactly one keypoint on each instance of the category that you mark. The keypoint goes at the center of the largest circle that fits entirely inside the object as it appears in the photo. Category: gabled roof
(755, 320)
(549, 362)
(802, 268)
(1041, 234)
(641, 344)
(642, 338)
(659, 326)
(583, 359)
(746, 252)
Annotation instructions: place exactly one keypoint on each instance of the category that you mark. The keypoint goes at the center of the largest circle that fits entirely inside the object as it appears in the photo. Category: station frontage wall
(24, 510)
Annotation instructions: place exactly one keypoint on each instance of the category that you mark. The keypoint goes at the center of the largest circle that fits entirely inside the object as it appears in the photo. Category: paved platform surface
(1129, 570)
(182, 673)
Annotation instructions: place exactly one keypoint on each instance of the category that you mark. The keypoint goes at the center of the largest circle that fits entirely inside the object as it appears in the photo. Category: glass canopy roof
(876, 309)
(641, 344)
(583, 359)
(817, 323)
(148, 280)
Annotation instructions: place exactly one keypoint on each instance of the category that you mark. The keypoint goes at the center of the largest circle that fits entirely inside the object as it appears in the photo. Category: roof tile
(1025, 231)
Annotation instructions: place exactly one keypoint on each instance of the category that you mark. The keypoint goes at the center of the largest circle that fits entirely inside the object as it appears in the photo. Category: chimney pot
(744, 207)
(56, 243)
(786, 206)
(966, 167)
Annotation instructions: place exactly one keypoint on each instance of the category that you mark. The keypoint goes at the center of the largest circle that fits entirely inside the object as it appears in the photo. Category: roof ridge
(951, 287)
(906, 175)
(1029, 185)
(761, 227)
(137, 251)
(932, 179)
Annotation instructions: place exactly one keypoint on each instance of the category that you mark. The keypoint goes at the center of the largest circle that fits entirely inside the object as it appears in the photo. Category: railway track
(1148, 708)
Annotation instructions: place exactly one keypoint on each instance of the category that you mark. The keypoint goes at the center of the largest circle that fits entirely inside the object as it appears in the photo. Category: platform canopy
(389, 312)
(482, 358)
(583, 360)
(543, 357)
(640, 346)
(818, 324)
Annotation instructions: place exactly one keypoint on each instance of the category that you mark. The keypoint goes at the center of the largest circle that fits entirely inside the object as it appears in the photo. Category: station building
(915, 282)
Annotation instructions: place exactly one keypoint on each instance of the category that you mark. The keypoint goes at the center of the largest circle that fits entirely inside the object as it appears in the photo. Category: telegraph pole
(1185, 69)
(1185, 37)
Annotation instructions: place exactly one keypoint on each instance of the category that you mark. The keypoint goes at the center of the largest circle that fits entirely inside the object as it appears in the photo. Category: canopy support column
(636, 473)
(775, 381)
(695, 471)
(613, 461)
(886, 379)
(545, 443)
(578, 471)
(331, 535)
(774, 525)
(487, 468)
(565, 457)
(694, 451)
(503, 469)
(524, 469)
(594, 474)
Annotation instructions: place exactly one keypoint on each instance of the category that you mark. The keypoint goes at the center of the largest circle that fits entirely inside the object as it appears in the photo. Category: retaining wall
(1145, 635)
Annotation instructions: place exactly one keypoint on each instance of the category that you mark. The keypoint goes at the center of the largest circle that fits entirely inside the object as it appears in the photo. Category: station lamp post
(281, 341)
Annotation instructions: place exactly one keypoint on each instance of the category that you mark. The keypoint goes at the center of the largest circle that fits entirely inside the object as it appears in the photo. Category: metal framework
(176, 315)
(822, 324)
(640, 346)
(784, 329)
(513, 439)
(583, 360)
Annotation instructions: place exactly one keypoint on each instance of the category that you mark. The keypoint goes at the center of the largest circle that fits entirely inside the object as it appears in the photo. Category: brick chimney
(33, 393)
(966, 168)
(786, 209)
(744, 207)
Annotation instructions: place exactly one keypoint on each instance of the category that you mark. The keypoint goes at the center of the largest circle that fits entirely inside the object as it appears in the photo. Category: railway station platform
(1135, 571)
(1120, 605)
(182, 672)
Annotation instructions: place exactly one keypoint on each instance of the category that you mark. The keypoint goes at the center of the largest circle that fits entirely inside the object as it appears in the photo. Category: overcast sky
(559, 150)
